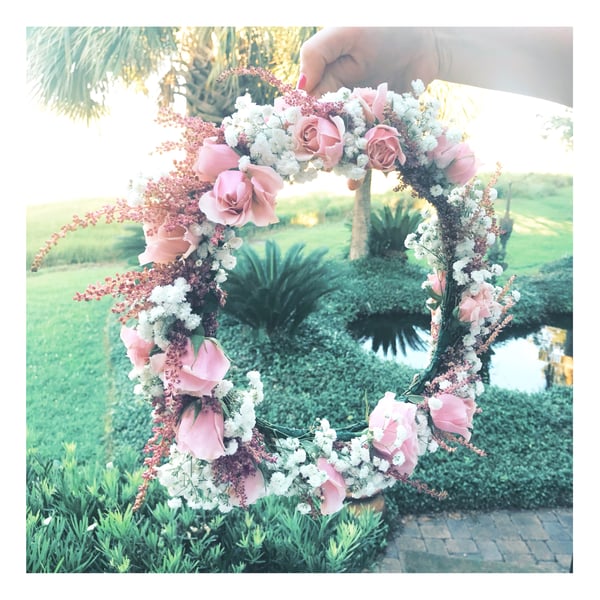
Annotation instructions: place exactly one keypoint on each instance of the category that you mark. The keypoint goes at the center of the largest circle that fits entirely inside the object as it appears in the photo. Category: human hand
(367, 56)
(533, 61)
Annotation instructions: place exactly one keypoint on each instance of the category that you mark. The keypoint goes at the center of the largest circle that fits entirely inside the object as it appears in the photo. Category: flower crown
(208, 446)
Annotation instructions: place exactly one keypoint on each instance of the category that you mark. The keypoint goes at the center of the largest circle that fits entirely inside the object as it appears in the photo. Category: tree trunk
(361, 220)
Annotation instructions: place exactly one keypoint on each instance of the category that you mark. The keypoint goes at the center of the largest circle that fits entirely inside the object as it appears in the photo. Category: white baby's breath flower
(303, 508)
(435, 403)
(436, 190)
(231, 447)
(399, 458)
(174, 503)
(244, 163)
(418, 87)
(222, 388)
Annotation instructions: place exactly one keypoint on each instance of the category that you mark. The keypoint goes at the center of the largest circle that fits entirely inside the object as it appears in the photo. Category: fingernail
(301, 82)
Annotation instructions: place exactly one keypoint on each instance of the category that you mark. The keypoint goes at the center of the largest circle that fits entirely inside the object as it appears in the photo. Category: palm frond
(71, 69)
(390, 229)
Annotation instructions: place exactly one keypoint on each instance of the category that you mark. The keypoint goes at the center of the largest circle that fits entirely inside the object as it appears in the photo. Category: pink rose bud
(213, 158)
(333, 490)
(394, 427)
(383, 148)
(254, 488)
(138, 349)
(200, 432)
(453, 414)
(475, 309)
(436, 282)
(318, 137)
(372, 101)
(464, 166)
(199, 373)
(240, 197)
(457, 160)
(166, 244)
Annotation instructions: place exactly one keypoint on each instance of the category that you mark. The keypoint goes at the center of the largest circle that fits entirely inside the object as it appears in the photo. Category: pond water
(528, 360)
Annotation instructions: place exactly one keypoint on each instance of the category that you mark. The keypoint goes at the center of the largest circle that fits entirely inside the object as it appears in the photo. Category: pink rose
(254, 488)
(333, 490)
(199, 373)
(200, 432)
(453, 414)
(436, 282)
(167, 243)
(138, 349)
(475, 309)
(213, 158)
(395, 431)
(457, 160)
(240, 197)
(317, 137)
(372, 101)
(383, 148)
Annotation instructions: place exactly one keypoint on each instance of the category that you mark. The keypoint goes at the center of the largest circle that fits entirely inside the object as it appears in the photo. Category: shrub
(276, 294)
(390, 229)
(80, 520)
(545, 294)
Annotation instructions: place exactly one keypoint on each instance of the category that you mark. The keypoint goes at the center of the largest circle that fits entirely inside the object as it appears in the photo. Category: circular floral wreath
(208, 446)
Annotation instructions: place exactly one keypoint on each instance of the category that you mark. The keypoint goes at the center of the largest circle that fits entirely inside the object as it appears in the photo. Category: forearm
(535, 61)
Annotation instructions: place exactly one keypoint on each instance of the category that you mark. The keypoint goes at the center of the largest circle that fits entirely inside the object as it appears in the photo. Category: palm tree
(71, 69)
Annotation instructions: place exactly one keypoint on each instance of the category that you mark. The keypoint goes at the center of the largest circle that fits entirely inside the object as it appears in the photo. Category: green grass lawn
(95, 244)
(68, 386)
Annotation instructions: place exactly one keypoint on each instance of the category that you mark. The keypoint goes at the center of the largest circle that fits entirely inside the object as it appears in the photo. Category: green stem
(273, 431)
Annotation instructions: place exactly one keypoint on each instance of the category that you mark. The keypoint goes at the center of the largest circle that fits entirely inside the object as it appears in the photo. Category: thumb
(312, 68)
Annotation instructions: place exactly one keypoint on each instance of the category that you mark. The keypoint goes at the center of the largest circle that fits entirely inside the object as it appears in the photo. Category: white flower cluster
(223, 258)
(170, 305)
(271, 142)
(242, 420)
(426, 242)
(192, 480)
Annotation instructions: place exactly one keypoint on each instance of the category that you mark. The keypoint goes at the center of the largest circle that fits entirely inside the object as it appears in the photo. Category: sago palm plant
(276, 293)
(390, 229)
